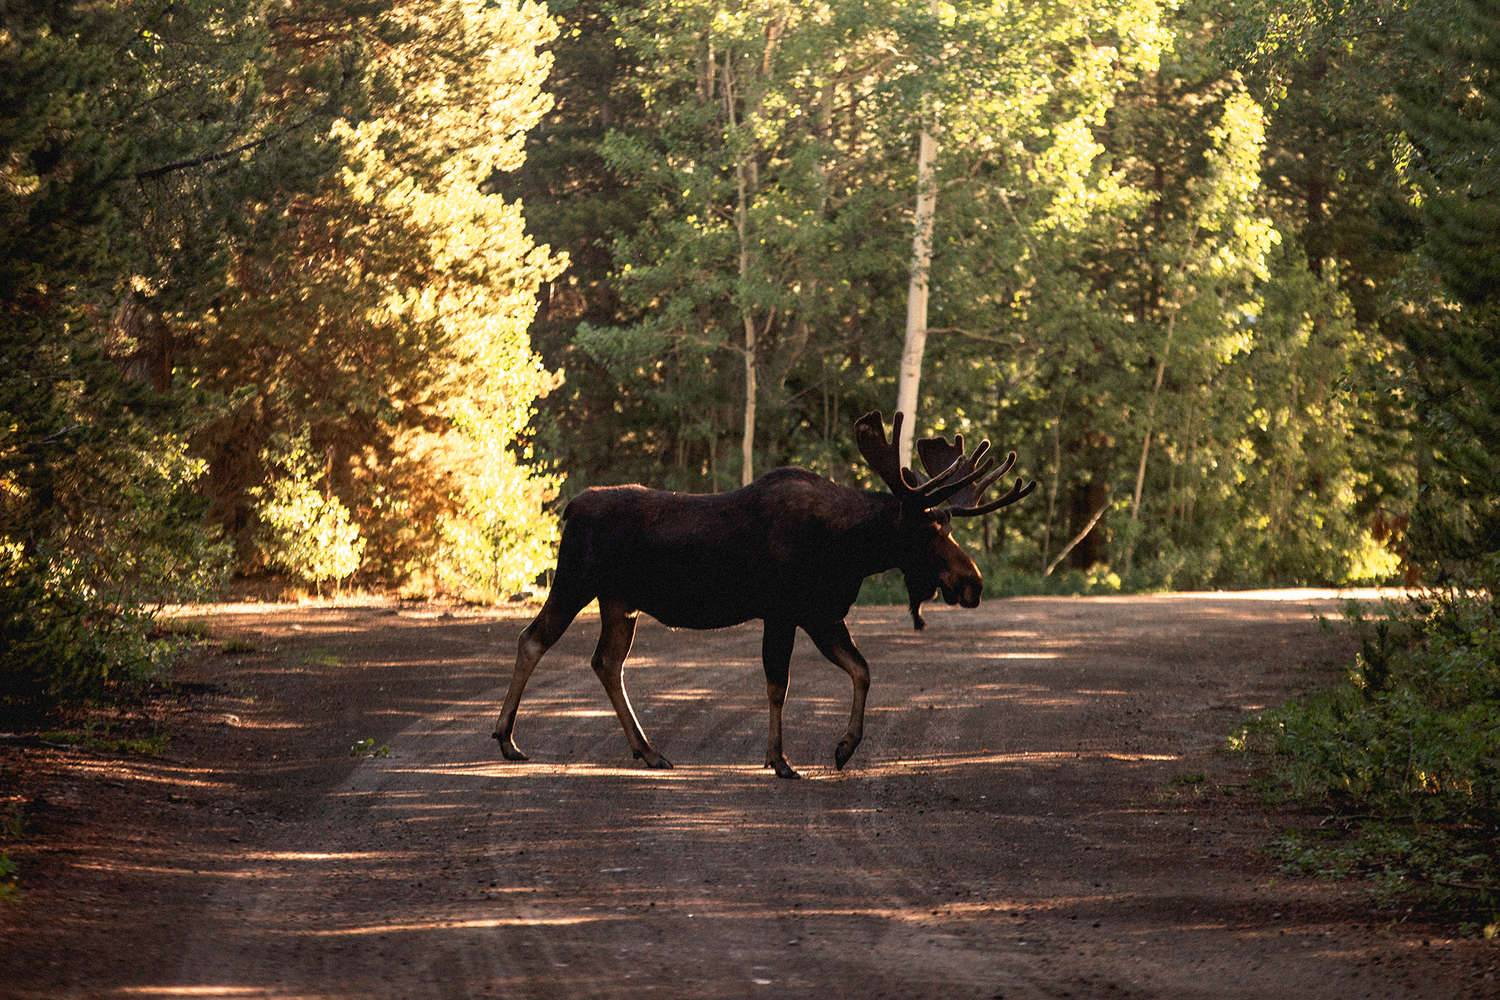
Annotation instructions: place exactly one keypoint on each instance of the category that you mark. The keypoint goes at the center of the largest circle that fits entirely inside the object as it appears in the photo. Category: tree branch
(223, 154)
(1078, 538)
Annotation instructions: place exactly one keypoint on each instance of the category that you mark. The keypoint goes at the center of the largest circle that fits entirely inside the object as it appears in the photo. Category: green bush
(501, 540)
(1002, 578)
(305, 530)
(1405, 754)
(78, 599)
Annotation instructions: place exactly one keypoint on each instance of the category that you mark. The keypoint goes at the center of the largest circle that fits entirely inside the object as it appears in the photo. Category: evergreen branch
(223, 154)
(50, 439)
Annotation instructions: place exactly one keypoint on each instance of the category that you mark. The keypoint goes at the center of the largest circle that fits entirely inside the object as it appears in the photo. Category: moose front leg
(833, 641)
(776, 655)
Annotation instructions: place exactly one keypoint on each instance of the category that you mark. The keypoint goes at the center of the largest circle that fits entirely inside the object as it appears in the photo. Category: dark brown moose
(792, 549)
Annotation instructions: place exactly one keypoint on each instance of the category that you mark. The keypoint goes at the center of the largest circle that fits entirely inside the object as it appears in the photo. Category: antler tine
(943, 493)
(1010, 460)
(980, 452)
(937, 454)
(1016, 492)
(938, 484)
(964, 476)
(883, 456)
(880, 453)
(982, 486)
(984, 482)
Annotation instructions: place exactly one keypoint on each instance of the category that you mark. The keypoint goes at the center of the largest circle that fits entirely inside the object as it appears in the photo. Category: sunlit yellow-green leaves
(400, 298)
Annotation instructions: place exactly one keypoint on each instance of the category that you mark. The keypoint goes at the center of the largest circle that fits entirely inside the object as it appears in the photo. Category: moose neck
(874, 541)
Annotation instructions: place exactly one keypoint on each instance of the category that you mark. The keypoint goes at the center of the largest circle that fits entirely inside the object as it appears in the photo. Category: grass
(100, 738)
(324, 659)
(1402, 760)
(367, 747)
(10, 830)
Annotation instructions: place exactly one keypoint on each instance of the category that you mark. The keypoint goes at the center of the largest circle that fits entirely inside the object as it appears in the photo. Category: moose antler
(883, 457)
(937, 453)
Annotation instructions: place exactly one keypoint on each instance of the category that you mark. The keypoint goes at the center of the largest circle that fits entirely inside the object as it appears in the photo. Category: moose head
(954, 486)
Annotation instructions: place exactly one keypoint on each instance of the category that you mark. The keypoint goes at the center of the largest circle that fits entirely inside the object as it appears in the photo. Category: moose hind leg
(616, 632)
(834, 643)
(550, 623)
(776, 655)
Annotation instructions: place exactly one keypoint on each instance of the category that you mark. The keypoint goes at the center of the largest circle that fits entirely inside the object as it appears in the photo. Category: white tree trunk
(1140, 471)
(745, 180)
(747, 439)
(910, 374)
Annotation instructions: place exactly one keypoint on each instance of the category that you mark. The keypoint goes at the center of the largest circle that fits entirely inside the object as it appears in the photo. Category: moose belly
(694, 597)
(707, 601)
(677, 615)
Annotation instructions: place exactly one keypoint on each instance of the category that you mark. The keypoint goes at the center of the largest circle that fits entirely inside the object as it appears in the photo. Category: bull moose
(791, 548)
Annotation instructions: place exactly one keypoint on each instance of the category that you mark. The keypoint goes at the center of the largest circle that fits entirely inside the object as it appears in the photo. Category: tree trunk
(744, 170)
(747, 438)
(1054, 489)
(1086, 560)
(1140, 470)
(910, 373)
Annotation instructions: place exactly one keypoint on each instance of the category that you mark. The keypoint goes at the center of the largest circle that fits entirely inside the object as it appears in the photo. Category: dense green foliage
(305, 530)
(1120, 286)
(1405, 756)
(1450, 112)
(1220, 272)
(227, 222)
(386, 311)
(99, 244)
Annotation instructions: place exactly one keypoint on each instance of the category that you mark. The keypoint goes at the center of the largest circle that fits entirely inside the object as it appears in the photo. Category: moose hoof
(654, 760)
(509, 750)
(843, 752)
(782, 768)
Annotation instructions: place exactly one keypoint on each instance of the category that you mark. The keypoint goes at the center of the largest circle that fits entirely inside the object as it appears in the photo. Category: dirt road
(1037, 811)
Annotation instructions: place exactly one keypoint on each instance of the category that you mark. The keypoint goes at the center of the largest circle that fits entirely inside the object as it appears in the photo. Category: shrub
(1405, 754)
(305, 530)
(78, 600)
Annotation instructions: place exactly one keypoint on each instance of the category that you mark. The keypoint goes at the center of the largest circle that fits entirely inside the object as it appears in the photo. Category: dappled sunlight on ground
(1010, 825)
(166, 992)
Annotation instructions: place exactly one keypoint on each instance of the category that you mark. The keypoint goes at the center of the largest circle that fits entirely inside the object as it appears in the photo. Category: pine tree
(574, 202)
(1450, 112)
(761, 232)
(389, 313)
(112, 223)
(1124, 306)
(826, 101)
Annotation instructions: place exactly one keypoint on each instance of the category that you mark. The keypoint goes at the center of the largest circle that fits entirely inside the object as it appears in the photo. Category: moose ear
(880, 453)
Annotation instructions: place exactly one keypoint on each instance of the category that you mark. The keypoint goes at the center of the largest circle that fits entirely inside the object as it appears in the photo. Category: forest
(357, 293)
